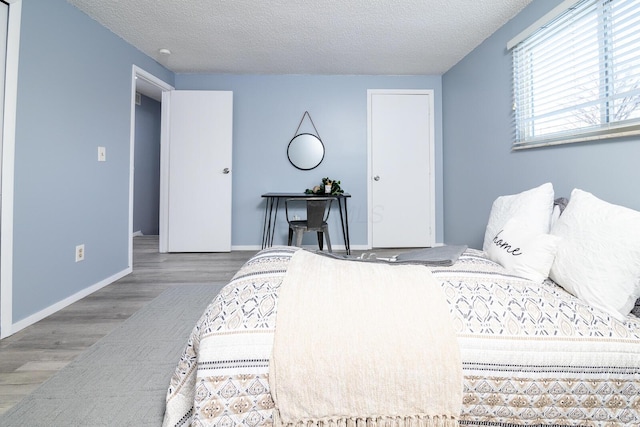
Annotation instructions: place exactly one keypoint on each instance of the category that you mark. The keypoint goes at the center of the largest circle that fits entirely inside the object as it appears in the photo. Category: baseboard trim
(28, 321)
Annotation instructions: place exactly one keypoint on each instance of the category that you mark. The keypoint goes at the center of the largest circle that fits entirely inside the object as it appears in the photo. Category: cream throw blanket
(363, 344)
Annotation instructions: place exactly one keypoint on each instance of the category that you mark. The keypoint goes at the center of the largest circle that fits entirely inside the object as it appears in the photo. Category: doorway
(401, 184)
(151, 86)
(146, 192)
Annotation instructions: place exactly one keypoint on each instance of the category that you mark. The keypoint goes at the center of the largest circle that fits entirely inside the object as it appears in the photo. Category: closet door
(199, 171)
(402, 187)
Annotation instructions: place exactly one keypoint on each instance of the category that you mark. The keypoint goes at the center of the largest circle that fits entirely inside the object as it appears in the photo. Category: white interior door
(401, 147)
(199, 171)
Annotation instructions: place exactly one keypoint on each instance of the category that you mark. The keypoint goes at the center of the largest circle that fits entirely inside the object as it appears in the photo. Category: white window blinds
(578, 77)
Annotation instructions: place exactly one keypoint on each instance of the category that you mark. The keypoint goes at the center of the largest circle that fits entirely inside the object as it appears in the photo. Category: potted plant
(328, 186)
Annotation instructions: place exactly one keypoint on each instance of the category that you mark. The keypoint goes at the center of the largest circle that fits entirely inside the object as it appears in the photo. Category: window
(576, 77)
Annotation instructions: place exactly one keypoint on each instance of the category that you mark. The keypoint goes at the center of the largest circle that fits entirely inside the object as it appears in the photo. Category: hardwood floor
(34, 354)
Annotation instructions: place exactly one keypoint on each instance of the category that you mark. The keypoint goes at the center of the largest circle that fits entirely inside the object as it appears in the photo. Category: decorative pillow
(522, 251)
(598, 258)
(532, 206)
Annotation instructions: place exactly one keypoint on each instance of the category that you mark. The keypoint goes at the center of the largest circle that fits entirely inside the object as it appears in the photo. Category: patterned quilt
(532, 355)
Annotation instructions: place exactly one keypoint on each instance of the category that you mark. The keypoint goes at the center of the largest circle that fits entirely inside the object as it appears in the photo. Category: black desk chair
(318, 209)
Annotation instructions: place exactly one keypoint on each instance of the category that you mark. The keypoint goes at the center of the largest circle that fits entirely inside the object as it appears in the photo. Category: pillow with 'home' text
(533, 206)
(522, 251)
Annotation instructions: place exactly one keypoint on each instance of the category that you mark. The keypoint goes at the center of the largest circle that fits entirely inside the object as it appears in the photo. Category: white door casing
(198, 174)
(401, 168)
(7, 326)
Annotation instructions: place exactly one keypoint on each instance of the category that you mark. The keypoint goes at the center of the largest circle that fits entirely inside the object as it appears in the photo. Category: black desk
(271, 213)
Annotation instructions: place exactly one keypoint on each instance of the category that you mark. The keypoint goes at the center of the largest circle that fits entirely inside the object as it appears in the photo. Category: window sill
(570, 139)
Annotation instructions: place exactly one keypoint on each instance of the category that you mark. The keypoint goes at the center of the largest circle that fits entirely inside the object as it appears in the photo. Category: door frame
(8, 168)
(431, 184)
(141, 78)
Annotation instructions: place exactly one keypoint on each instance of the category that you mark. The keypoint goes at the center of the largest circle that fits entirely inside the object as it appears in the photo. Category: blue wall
(146, 191)
(267, 111)
(74, 94)
(478, 162)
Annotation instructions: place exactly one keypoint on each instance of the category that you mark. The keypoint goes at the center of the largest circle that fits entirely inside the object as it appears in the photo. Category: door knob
(376, 178)
(225, 171)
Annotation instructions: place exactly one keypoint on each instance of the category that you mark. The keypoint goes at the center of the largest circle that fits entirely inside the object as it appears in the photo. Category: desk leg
(268, 227)
(275, 217)
(344, 220)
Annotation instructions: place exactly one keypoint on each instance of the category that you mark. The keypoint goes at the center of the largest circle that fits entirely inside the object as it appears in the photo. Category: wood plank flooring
(34, 354)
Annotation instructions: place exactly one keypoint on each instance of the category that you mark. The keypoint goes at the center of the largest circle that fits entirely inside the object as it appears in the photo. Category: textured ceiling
(378, 37)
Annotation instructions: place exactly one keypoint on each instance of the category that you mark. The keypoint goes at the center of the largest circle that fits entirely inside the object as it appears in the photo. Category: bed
(532, 353)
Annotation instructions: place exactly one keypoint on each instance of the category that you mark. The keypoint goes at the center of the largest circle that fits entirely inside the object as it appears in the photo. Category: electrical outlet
(79, 253)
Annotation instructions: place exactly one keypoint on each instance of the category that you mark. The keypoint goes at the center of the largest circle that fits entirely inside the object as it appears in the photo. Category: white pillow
(522, 251)
(555, 214)
(598, 258)
(532, 206)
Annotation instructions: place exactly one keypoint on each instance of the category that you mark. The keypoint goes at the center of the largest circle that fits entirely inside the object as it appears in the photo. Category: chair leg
(320, 240)
(299, 234)
(290, 236)
(326, 234)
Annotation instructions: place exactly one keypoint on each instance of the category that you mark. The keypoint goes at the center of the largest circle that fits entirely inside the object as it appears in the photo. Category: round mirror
(305, 151)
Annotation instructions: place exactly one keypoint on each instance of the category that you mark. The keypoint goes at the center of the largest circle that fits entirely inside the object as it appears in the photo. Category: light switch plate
(102, 154)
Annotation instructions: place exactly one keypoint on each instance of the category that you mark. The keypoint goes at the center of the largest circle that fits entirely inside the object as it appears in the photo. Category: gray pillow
(561, 203)
(636, 310)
